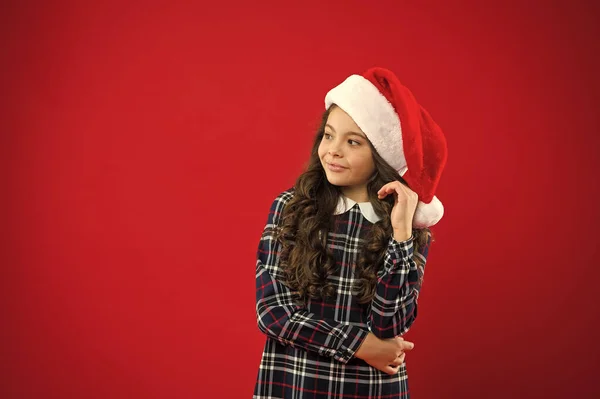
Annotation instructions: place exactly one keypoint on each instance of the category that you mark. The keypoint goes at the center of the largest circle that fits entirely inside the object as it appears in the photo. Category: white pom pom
(427, 215)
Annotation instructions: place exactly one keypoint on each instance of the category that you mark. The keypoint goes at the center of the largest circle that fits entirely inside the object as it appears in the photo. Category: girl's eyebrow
(356, 134)
(347, 134)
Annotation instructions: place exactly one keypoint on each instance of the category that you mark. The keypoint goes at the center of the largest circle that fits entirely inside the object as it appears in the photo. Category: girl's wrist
(402, 234)
(366, 347)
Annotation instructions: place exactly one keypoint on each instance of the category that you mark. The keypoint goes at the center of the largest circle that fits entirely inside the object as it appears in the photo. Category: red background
(142, 145)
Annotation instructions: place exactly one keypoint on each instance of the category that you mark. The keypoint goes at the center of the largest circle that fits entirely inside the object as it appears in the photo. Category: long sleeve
(394, 306)
(280, 318)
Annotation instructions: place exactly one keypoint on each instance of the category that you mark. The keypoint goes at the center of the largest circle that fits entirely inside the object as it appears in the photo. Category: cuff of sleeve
(354, 339)
(401, 250)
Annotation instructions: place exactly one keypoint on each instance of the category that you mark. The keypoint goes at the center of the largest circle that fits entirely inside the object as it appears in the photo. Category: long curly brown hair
(308, 217)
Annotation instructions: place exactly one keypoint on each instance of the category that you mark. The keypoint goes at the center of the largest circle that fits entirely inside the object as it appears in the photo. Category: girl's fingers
(382, 193)
(382, 189)
(399, 190)
(388, 188)
(391, 370)
(399, 360)
(387, 185)
(405, 345)
(391, 187)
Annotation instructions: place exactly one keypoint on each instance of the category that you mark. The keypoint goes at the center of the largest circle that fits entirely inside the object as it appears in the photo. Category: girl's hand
(404, 208)
(384, 354)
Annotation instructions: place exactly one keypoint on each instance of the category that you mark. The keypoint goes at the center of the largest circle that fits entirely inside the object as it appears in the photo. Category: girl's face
(346, 156)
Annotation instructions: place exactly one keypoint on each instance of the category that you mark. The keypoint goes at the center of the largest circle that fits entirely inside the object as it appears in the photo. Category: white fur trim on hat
(427, 215)
(374, 114)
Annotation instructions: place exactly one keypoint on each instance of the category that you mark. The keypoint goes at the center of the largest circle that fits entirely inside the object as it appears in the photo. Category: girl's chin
(338, 182)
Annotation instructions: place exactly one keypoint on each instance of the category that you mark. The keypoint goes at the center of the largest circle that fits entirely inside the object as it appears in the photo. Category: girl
(342, 256)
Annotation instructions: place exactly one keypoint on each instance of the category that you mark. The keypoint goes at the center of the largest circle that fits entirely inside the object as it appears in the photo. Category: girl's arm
(280, 318)
(394, 307)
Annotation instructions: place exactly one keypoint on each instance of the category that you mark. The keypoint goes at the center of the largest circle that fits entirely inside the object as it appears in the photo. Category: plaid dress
(309, 351)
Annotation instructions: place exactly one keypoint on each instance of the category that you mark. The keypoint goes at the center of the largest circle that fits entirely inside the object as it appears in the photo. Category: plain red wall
(142, 145)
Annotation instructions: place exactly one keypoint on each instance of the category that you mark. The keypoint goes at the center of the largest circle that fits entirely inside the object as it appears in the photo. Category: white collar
(366, 208)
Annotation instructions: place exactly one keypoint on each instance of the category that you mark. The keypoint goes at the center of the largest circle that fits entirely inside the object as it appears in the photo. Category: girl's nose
(334, 148)
(334, 152)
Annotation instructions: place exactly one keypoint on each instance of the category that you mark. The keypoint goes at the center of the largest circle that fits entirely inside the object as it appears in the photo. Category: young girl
(342, 256)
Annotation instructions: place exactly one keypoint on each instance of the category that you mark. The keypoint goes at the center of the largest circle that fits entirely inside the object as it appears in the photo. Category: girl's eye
(327, 135)
(353, 141)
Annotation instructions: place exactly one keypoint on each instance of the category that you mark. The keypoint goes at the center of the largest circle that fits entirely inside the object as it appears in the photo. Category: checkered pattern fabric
(309, 351)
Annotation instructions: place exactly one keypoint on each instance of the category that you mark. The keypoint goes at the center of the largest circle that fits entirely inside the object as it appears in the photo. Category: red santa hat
(402, 132)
